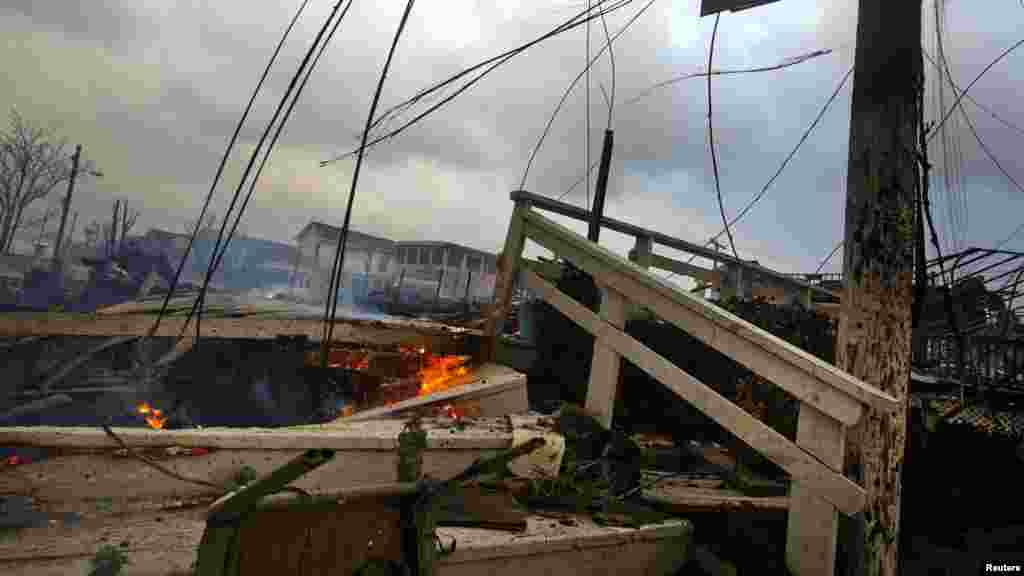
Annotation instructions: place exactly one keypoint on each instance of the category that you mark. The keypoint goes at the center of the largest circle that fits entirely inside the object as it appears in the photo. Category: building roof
(332, 233)
(157, 234)
(436, 244)
(266, 249)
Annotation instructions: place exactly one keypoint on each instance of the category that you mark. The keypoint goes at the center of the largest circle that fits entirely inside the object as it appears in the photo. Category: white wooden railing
(830, 399)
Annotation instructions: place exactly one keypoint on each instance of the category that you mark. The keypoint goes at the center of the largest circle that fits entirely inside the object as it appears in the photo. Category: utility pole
(874, 341)
(64, 209)
(597, 213)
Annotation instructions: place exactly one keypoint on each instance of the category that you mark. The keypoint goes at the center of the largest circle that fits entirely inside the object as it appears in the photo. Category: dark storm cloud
(172, 82)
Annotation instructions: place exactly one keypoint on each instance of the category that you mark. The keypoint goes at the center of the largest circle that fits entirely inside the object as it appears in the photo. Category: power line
(568, 90)
(792, 153)
(988, 152)
(220, 168)
(198, 304)
(277, 134)
(949, 112)
(565, 26)
(829, 257)
(611, 58)
(339, 253)
(993, 114)
(784, 64)
(711, 142)
(792, 61)
(490, 63)
(586, 92)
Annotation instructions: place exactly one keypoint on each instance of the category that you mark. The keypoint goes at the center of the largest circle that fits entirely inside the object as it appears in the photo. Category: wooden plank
(163, 543)
(69, 482)
(642, 252)
(680, 496)
(346, 330)
(508, 265)
(478, 434)
(489, 382)
(71, 365)
(684, 269)
(808, 378)
(833, 486)
(812, 524)
(605, 364)
(583, 214)
(582, 547)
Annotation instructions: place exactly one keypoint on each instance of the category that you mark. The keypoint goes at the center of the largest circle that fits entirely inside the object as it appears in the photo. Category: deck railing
(831, 400)
(990, 361)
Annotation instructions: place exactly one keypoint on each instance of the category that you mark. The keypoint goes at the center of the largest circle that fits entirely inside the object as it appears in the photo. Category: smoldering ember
(475, 287)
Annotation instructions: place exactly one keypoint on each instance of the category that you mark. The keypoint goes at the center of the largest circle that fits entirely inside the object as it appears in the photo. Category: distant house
(14, 268)
(463, 272)
(249, 263)
(369, 263)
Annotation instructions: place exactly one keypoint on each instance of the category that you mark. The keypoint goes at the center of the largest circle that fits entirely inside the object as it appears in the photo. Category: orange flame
(154, 416)
(442, 373)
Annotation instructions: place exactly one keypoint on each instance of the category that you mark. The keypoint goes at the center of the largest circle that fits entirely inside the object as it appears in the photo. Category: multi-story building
(464, 273)
(248, 264)
(369, 263)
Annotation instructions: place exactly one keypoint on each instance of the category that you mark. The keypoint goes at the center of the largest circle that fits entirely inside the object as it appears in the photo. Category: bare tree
(92, 234)
(112, 229)
(127, 223)
(32, 164)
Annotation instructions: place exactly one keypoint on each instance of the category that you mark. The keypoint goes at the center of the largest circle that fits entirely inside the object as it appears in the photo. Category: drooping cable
(331, 308)
(277, 134)
(785, 64)
(981, 143)
(586, 94)
(491, 64)
(711, 144)
(829, 257)
(198, 304)
(785, 162)
(568, 90)
(223, 163)
(964, 92)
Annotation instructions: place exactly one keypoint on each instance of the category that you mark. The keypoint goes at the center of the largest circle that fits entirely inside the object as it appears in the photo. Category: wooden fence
(831, 399)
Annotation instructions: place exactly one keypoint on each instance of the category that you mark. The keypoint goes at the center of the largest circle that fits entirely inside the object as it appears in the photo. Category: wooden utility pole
(67, 205)
(597, 213)
(875, 322)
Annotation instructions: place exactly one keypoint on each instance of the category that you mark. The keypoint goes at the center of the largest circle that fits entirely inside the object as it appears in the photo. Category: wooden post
(594, 231)
(875, 319)
(604, 368)
(440, 281)
(508, 264)
(812, 523)
(641, 256)
(641, 253)
(65, 206)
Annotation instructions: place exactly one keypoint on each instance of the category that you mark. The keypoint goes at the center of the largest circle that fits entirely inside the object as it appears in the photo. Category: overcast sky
(153, 90)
